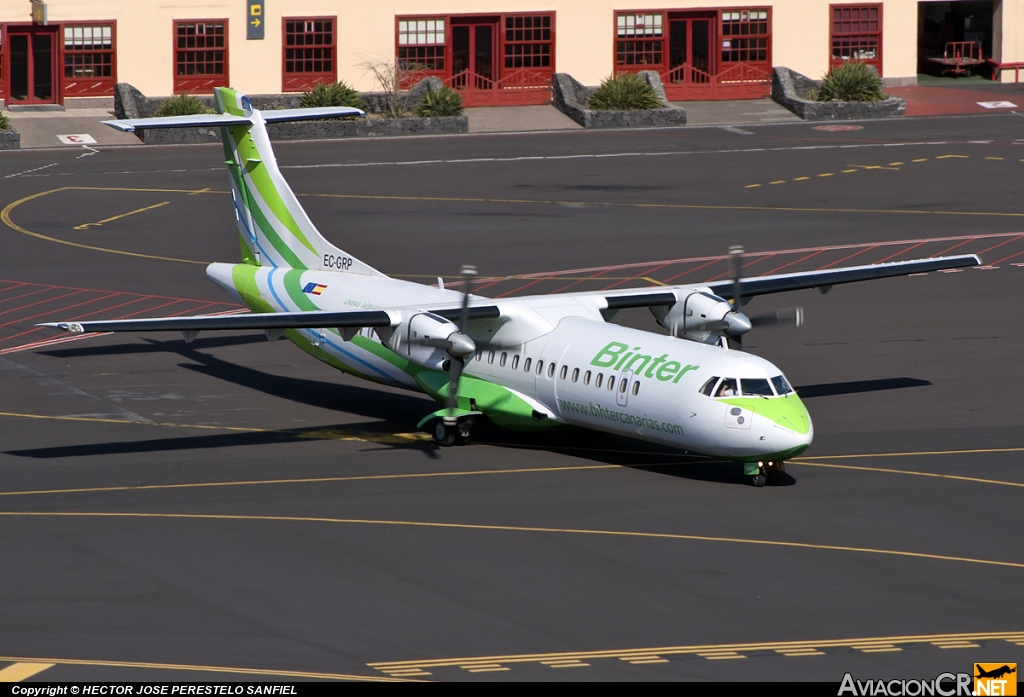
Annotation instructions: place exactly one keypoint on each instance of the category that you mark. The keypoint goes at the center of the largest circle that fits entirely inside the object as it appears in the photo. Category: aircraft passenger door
(622, 388)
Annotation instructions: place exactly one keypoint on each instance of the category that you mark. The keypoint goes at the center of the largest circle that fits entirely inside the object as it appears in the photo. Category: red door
(473, 55)
(32, 65)
(692, 64)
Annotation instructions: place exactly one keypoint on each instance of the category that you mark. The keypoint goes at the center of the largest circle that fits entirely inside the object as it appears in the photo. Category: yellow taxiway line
(512, 528)
(706, 651)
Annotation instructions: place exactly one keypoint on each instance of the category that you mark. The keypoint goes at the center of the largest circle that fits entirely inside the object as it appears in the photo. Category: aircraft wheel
(444, 435)
(462, 432)
(760, 480)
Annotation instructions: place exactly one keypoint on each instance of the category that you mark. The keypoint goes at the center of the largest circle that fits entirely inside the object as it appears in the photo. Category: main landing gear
(764, 471)
(448, 432)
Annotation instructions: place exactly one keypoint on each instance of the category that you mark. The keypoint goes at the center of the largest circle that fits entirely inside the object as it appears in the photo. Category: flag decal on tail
(314, 288)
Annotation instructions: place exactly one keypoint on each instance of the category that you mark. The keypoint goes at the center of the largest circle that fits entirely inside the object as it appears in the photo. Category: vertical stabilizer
(274, 228)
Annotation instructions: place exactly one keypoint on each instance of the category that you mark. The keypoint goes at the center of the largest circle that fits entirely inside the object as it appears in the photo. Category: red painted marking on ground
(98, 290)
(786, 266)
(1000, 261)
(25, 295)
(995, 246)
(944, 252)
(50, 312)
(42, 302)
(12, 287)
(848, 256)
(902, 251)
(576, 283)
(742, 270)
(639, 276)
(713, 260)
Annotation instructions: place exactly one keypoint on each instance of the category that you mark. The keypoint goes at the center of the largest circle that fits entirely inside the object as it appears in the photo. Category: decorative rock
(790, 89)
(10, 140)
(129, 103)
(570, 97)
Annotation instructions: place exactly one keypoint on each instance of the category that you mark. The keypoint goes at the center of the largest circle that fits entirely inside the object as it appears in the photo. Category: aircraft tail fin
(273, 228)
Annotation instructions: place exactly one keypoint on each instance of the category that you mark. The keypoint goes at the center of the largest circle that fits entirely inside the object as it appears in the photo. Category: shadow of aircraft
(831, 389)
(389, 411)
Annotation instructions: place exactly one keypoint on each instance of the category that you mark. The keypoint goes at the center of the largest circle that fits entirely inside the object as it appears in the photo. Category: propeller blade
(454, 372)
(735, 268)
(463, 344)
(787, 315)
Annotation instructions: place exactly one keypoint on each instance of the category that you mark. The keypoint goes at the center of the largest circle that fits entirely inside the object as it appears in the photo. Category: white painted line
(734, 129)
(77, 139)
(998, 105)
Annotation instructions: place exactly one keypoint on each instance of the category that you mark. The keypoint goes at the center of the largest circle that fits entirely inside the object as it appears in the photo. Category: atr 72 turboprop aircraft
(529, 362)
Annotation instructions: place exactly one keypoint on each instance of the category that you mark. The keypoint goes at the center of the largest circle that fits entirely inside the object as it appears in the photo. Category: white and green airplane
(533, 362)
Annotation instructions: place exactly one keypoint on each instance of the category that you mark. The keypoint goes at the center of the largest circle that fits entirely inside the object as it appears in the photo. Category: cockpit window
(756, 387)
(709, 386)
(781, 386)
(727, 388)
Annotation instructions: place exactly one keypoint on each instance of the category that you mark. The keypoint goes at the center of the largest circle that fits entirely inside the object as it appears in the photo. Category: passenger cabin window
(636, 388)
(611, 383)
(586, 378)
(781, 385)
(597, 380)
(540, 367)
(490, 356)
(526, 366)
(565, 371)
(551, 370)
(727, 388)
(756, 387)
(515, 362)
(575, 374)
(709, 386)
(504, 357)
(479, 355)
(622, 385)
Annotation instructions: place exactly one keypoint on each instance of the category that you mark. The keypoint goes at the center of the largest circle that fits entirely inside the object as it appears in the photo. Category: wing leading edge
(823, 280)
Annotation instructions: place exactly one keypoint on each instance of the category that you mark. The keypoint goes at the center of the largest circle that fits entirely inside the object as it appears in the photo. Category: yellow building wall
(366, 32)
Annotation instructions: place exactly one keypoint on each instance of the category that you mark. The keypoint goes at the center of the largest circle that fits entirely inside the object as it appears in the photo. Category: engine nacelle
(701, 316)
(429, 340)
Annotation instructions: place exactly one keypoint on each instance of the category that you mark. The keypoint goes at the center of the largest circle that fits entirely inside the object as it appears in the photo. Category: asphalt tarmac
(232, 509)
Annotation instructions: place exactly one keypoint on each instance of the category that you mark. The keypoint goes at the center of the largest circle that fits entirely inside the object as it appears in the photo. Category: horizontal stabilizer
(279, 320)
(191, 121)
(326, 112)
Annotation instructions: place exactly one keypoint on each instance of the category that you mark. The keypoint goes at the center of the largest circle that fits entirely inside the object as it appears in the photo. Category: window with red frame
(640, 39)
(309, 53)
(745, 36)
(90, 59)
(528, 42)
(856, 35)
(421, 45)
(201, 55)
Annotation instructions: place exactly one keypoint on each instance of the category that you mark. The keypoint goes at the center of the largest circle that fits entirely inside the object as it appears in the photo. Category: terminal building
(500, 52)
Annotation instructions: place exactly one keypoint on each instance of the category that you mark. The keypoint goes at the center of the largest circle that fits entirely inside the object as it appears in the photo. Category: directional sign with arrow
(255, 20)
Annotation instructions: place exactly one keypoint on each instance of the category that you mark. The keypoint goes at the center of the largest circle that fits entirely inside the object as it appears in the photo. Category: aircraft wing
(823, 280)
(268, 320)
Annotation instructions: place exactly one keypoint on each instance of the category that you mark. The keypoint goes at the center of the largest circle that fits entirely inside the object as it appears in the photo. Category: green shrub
(182, 105)
(332, 94)
(625, 92)
(5, 123)
(441, 102)
(850, 82)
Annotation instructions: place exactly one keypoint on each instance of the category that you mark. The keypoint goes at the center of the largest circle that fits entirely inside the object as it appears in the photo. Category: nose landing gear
(763, 471)
(447, 432)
